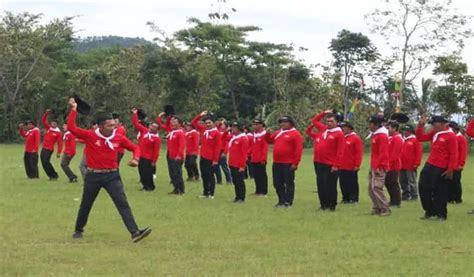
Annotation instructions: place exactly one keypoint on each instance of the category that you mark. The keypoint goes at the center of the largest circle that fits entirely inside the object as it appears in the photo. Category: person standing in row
(249, 169)
(259, 157)
(350, 164)
(166, 127)
(192, 151)
(69, 152)
(121, 131)
(412, 152)
(331, 149)
(150, 144)
(226, 135)
(379, 164)
(316, 136)
(455, 188)
(101, 152)
(176, 149)
(210, 152)
(51, 137)
(287, 152)
(439, 168)
(395, 144)
(238, 149)
(32, 141)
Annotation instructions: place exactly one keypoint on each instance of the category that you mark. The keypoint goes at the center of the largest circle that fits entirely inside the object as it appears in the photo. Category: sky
(308, 23)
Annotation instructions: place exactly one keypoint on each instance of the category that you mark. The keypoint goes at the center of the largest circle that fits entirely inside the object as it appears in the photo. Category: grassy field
(215, 237)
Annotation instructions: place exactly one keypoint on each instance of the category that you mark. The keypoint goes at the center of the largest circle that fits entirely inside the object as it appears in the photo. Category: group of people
(338, 152)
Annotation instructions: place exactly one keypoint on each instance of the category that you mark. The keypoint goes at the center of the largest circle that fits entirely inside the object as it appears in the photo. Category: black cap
(346, 124)
(377, 119)
(82, 106)
(115, 115)
(438, 119)
(210, 116)
(400, 118)
(169, 110)
(454, 125)
(409, 128)
(32, 121)
(141, 114)
(287, 118)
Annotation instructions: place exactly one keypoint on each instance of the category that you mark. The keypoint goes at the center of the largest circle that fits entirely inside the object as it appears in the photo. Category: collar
(150, 136)
(54, 129)
(108, 140)
(381, 130)
(206, 133)
(284, 131)
(350, 134)
(409, 137)
(171, 134)
(435, 137)
(236, 138)
(336, 129)
(259, 135)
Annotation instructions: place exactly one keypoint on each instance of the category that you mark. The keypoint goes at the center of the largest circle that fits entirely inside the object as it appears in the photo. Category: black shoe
(332, 209)
(239, 201)
(395, 205)
(441, 218)
(141, 234)
(77, 235)
(73, 180)
(287, 205)
(426, 216)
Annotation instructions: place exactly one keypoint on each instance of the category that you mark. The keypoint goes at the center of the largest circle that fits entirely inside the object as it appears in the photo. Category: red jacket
(353, 152)
(379, 150)
(412, 151)
(225, 137)
(52, 135)
(331, 143)
(316, 138)
(288, 146)
(32, 139)
(211, 141)
(462, 150)
(395, 144)
(470, 128)
(149, 143)
(238, 149)
(101, 153)
(250, 148)
(123, 132)
(69, 144)
(444, 147)
(176, 144)
(259, 148)
(192, 142)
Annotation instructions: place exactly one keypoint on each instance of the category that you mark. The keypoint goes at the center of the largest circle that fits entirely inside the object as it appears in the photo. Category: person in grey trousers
(411, 160)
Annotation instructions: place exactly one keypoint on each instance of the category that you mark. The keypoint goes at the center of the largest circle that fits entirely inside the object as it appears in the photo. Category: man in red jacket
(379, 164)
(226, 135)
(249, 168)
(150, 144)
(395, 144)
(411, 159)
(102, 166)
(439, 168)
(192, 151)
(121, 131)
(69, 153)
(287, 152)
(32, 141)
(350, 164)
(455, 188)
(330, 148)
(176, 149)
(210, 152)
(51, 137)
(238, 149)
(259, 157)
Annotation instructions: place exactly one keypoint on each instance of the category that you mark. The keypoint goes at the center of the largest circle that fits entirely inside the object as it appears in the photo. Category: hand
(133, 163)
(264, 162)
(134, 111)
(203, 113)
(294, 167)
(241, 169)
(334, 169)
(378, 171)
(356, 168)
(214, 163)
(448, 174)
(423, 119)
(161, 114)
(153, 164)
(177, 159)
(21, 125)
(223, 155)
(48, 110)
(328, 111)
(72, 104)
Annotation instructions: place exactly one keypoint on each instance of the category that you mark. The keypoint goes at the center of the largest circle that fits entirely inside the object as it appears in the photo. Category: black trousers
(249, 169)
(31, 165)
(326, 182)
(112, 183)
(349, 183)
(191, 166)
(239, 183)
(434, 191)
(146, 171)
(455, 187)
(176, 172)
(207, 175)
(65, 161)
(260, 178)
(284, 182)
(169, 166)
(225, 168)
(46, 162)
(393, 187)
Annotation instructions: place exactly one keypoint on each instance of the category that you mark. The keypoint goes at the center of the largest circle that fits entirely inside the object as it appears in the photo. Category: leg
(426, 190)
(378, 180)
(278, 182)
(225, 168)
(344, 180)
(194, 167)
(289, 178)
(250, 168)
(404, 184)
(458, 187)
(212, 180)
(114, 187)
(355, 187)
(332, 189)
(179, 176)
(319, 169)
(34, 165)
(83, 167)
(46, 162)
(412, 184)
(65, 161)
(206, 171)
(91, 189)
(26, 164)
(217, 172)
(187, 165)
(440, 194)
(257, 177)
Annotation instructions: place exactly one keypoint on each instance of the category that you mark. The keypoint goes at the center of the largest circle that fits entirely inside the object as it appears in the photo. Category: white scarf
(350, 134)
(54, 129)
(206, 133)
(409, 137)
(65, 135)
(459, 134)
(190, 132)
(29, 131)
(283, 131)
(258, 135)
(381, 130)
(325, 134)
(397, 135)
(435, 137)
(150, 136)
(235, 138)
(171, 134)
(108, 140)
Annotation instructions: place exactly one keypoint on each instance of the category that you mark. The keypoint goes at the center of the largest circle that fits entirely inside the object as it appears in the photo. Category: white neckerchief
(171, 134)
(190, 132)
(108, 140)
(459, 134)
(397, 135)
(369, 136)
(54, 129)
(206, 133)
(435, 137)
(325, 134)
(235, 138)
(29, 131)
(150, 136)
(350, 134)
(283, 131)
(409, 137)
(65, 134)
(381, 130)
(259, 135)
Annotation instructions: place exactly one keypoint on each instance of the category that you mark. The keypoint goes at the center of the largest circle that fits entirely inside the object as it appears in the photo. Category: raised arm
(44, 119)
(269, 137)
(309, 132)
(421, 135)
(195, 123)
(164, 126)
(142, 129)
(71, 122)
(22, 131)
(316, 121)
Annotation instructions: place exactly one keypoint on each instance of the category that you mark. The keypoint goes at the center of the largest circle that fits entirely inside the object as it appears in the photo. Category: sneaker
(73, 180)
(77, 235)
(278, 205)
(210, 197)
(287, 205)
(141, 234)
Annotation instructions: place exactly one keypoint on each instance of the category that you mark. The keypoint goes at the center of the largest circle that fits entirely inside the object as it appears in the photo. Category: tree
(417, 30)
(350, 49)
(24, 43)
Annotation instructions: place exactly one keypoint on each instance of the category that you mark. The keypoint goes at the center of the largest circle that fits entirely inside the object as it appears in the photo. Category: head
(188, 127)
(64, 127)
(54, 123)
(237, 128)
(176, 123)
(246, 129)
(258, 125)
(375, 122)
(454, 126)
(153, 127)
(106, 124)
(209, 123)
(438, 123)
(408, 130)
(94, 125)
(223, 126)
(393, 127)
(331, 120)
(346, 127)
(286, 122)
(30, 124)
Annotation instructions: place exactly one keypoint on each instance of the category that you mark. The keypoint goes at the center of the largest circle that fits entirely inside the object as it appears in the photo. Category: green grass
(215, 237)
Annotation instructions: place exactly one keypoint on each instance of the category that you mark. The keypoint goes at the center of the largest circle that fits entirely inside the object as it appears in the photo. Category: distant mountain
(88, 43)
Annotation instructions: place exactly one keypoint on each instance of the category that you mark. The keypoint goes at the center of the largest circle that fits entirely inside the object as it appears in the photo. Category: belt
(101, 170)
